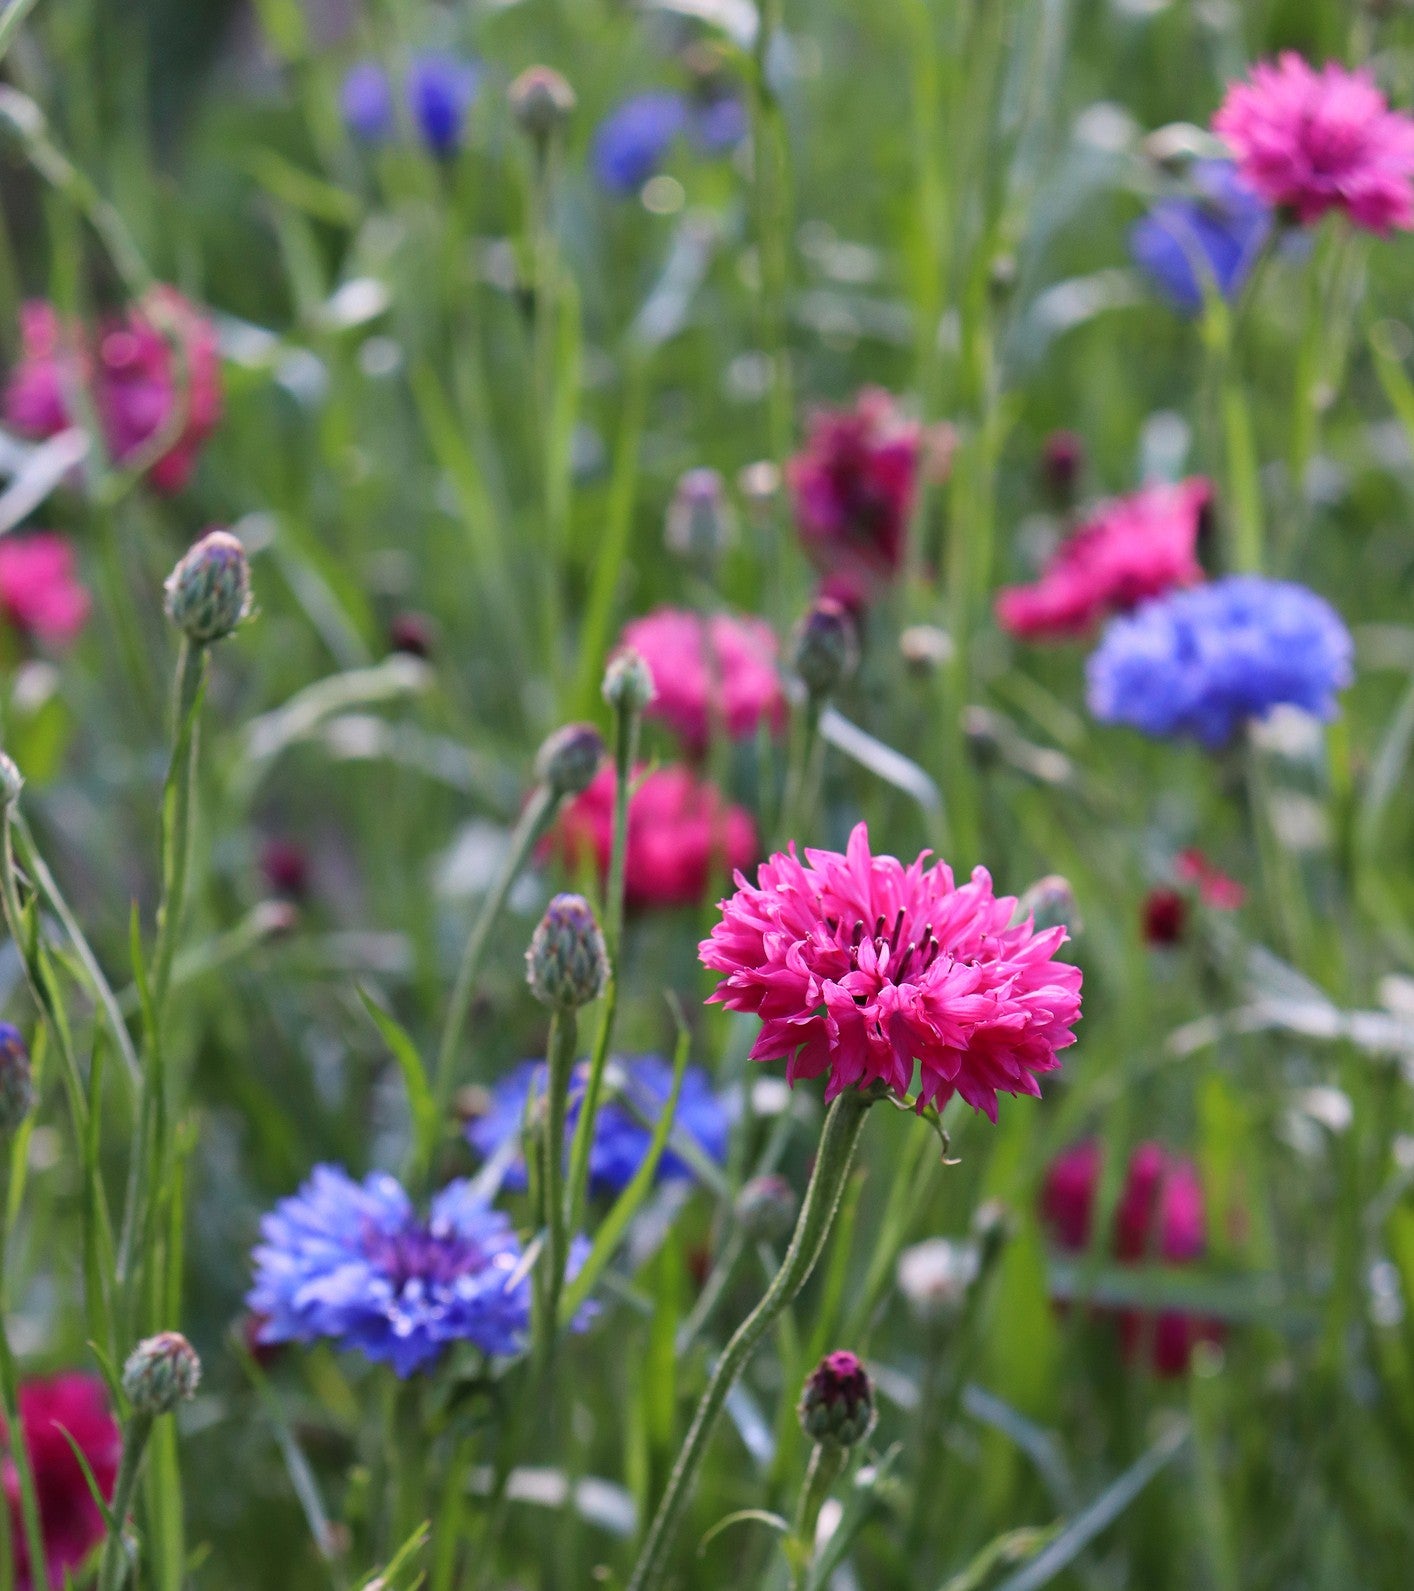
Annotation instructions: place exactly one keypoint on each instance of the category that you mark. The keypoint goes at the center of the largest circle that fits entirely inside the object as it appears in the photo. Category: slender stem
(9, 1385)
(177, 819)
(772, 228)
(802, 772)
(817, 1213)
(827, 1462)
(564, 1040)
(712, 1290)
(534, 820)
(113, 1572)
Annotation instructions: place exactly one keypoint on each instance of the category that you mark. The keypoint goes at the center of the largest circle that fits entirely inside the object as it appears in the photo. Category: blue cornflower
(635, 1091)
(1202, 662)
(1206, 242)
(718, 125)
(355, 1262)
(367, 100)
(633, 140)
(440, 90)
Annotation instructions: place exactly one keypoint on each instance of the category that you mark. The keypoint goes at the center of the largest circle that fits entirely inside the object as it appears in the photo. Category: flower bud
(825, 648)
(12, 781)
(994, 1226)
(208, 593)
(569, 759)
(1062, 464)
(567, 965)
(699, 527)
(628, 682)
(760, 486)
(837, 1403)
(161, 1372)
(765, 1208)
(1050, 903)
(925, 648)
(16, 1079)
(934, 1277)
(541, 101)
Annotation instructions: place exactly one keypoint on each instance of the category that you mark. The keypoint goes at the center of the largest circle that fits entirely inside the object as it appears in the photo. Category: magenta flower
(1310, 141)
(853, 487)
(859, 966)
(1130, 549)
(40, 595)
(717, 672)
(140, 389)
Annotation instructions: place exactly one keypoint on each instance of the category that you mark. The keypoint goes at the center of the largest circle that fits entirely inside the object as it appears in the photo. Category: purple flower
(1205, 242)
(635, 1092)
(633, 141)
(367, 101)
(719, 124)
(357, 1264)
(440, 90)
(1200, 663)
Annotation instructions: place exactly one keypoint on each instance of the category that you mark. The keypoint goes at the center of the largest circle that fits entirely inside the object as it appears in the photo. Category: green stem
(564, 1040)
(772, 229)
(113, 1572)
(802, 772)
(827, 1462)
(534, 821)
(177, 816)
(9, 1386)
(817, 1213)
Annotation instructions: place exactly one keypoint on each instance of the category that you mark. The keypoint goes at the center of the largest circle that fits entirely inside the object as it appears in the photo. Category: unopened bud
(208, 593)
(699, 527)
(628, 682)
(766, 1208)
(16, 1079)
(1050, 903)
(541, 101)
(567, 965)
(12, 781)
(925, 648)
(161, 1372)
(569, 759)
(760, 486)
(825, 647)
(1062, 464)
(934, 1277)
(837, 1403)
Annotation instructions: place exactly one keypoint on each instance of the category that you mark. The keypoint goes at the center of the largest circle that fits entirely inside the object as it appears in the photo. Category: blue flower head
(440, 91)
(719, 124)
(367, 100)
(1209, 240)
(354, 1262)
(635, 1092)
(633, 140)
(1200, 663)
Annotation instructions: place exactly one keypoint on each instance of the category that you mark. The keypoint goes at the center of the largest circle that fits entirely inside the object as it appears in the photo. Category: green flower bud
(541, 101)
(1050, 903)
(161, 1372)
(825, 648)
(700, 525)
(766, 1208)
(12, 781)
(208, 593)
(837, 1403)
(628, 682)
(567, 965)
(569, 759)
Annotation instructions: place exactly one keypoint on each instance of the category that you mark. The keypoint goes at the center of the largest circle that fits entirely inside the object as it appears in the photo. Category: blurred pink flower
(1310, 141)
(682, 834)
(853, 488)
(40, 594)
(705, 670)
(70, 1520)
(1214, 887)
(1159, 1220)
(137, 385)
(859, 966)
(1131, 548)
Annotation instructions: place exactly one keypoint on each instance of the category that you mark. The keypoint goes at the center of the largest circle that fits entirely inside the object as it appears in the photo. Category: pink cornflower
(1159, 1220)
(1310, 141)
(1214, 887)
(70, 1520)
(859, 966)
(1129, 549)
(853, 487)
(709, 672)
(136, 384)
(681, 834)
(40, 594)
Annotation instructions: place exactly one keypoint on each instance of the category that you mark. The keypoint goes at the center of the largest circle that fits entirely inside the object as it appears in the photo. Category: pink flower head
(709, 671)
(1130, 549)
(40, 594)
(853, 488)
(138, 386)
(681, 834)
(1310, 141)
(70, 1520)
(1159, 1220)
(860, 967)
(1214, 887)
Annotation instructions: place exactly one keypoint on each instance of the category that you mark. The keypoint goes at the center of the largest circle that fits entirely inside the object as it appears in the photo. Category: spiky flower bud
(825, 647)
(628, 682)
(541, 101)
(699, 527)
(208, 593)
(161, 1372)
(567, 965)
(12, 781)
(1050, 903)
(766, 1208)
(837, 1403)
(569, 759)
(16, 1079)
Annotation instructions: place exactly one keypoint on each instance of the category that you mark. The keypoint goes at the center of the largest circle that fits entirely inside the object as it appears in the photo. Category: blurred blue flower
(440, 91)
(354, 1262)
(1202, 662)
(633, 140)
(1210, 240)
(367, 100)
(621, 1139)
(718, 125)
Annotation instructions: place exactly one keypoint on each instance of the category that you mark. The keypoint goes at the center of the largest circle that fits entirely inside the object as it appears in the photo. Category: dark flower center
(419, 1253)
